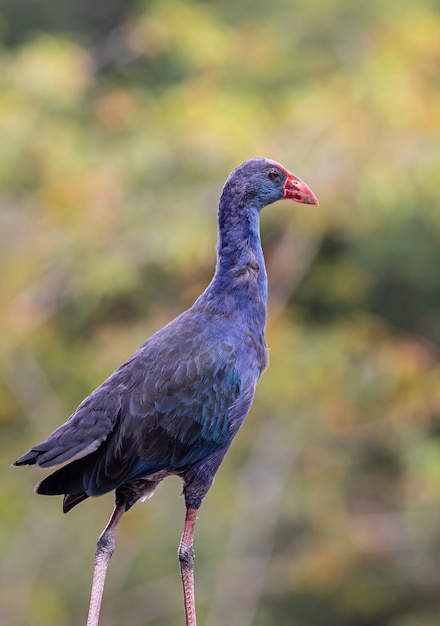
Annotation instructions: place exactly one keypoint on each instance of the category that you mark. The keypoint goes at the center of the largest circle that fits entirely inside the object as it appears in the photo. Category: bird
(175, 405)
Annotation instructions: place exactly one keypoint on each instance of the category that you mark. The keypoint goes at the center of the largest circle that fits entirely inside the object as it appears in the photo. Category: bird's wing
(83, 432)
(179, 413)
(172, 403)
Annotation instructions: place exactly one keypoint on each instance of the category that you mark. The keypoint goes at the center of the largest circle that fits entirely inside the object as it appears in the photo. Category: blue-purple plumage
(175, 405)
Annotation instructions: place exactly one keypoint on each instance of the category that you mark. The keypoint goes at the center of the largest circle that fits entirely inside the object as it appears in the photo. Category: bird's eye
(273, 174)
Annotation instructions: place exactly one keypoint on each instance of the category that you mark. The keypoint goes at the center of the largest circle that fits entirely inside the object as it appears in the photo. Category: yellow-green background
(119, 122)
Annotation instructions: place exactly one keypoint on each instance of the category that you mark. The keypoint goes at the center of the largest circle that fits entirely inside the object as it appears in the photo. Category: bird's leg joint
(186, 556)
(105, 545)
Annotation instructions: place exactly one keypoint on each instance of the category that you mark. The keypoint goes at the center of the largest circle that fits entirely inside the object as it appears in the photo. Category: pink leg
(186, 560)
(104, 550)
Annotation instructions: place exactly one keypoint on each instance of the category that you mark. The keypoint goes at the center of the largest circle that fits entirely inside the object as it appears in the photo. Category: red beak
(295, 189)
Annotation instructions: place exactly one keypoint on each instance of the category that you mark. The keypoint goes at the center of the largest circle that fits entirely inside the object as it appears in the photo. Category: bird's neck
(240, 280)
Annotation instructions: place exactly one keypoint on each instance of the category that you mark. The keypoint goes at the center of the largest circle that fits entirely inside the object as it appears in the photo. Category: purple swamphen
(174, 407)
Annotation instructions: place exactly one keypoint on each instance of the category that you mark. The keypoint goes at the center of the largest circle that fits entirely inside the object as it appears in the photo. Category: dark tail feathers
(67, 480)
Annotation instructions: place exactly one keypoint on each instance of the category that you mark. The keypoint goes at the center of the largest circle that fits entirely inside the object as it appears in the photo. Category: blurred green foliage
(119, 122)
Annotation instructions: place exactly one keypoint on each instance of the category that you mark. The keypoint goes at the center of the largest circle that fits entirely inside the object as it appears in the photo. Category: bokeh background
(119, 122)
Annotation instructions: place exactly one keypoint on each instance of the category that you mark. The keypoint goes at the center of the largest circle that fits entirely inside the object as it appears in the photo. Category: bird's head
(263, 181)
